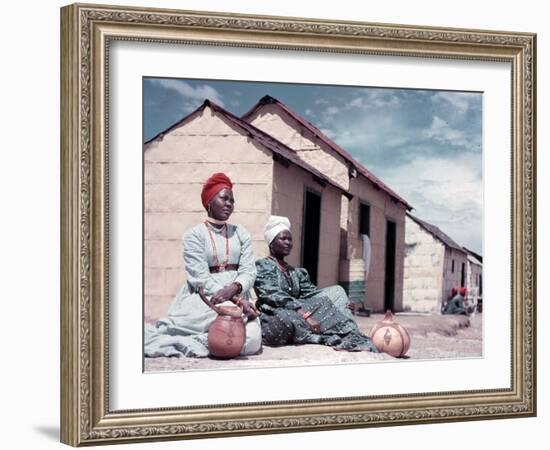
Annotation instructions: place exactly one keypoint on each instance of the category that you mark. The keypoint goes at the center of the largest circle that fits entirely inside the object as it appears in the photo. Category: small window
(364, 218)
(453, 266)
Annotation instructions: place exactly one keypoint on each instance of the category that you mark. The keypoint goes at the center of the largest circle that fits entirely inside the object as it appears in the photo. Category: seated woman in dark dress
(294, 310)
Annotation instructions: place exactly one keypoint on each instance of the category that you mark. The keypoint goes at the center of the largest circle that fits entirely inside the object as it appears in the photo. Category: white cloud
(441, 132)
(329, 115)
(368, 131)
(453, 182)
(359, 123)
(187, 107)
(325, 113)
(358, 102)
(328, 132)
(460, 101)
(371, 99)
(445, 192)
(189, 92)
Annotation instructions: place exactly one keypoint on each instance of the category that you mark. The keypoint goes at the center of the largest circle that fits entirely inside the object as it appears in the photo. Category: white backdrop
(29, 174)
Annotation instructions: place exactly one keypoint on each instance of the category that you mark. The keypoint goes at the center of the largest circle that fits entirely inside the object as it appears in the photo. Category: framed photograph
(380, 252)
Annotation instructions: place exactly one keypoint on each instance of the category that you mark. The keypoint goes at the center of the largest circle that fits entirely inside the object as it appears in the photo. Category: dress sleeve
(196, 264)
(307, 288)
(268, 289)
(247, 268)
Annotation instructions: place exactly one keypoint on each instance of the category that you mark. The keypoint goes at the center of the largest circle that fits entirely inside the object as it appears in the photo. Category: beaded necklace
(283, 268)
(214, 249)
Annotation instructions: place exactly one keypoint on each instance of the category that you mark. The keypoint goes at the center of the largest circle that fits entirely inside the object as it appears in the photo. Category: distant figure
(456, 304)
(446, 301)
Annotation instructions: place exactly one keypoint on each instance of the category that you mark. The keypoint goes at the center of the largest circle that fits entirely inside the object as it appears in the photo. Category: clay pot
(226, 335)
(390, 337)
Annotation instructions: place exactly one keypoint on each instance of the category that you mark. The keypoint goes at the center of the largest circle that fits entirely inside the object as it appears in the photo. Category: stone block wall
(276, 122)
(175, 168)
(423, 270)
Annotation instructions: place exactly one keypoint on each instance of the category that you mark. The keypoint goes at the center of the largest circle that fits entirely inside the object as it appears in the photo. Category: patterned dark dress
(281, 294)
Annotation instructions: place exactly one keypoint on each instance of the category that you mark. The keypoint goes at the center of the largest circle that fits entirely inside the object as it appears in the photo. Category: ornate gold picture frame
(87, 33)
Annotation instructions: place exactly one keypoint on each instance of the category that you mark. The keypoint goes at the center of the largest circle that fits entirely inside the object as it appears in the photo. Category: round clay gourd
(390, 337)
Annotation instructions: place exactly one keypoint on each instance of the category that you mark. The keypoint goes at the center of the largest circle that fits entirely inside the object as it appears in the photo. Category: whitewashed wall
(175, 169)
(273, 120)
(382, 209)
(423, 274)
(289, 184)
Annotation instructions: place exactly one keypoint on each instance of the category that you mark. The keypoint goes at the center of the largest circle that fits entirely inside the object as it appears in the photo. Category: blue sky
(426, 145)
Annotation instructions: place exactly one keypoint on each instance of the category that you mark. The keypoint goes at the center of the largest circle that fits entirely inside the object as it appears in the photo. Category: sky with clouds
(424, 144)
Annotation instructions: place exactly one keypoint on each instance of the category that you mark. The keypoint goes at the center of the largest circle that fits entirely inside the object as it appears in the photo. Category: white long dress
(184, 331)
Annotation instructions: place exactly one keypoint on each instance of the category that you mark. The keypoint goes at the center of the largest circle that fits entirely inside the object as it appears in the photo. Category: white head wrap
(274, 226)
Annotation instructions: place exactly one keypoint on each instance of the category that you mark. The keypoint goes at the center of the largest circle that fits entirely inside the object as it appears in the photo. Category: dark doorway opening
(310, 232)
(364, 218)
(463, 275)
(389, 279)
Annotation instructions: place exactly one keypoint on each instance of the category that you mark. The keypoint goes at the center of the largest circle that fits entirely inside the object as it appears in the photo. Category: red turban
(454, 291)
(213, 185)
(462, 291)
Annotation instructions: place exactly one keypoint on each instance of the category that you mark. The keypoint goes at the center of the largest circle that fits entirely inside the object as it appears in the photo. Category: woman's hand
(249, 309)
(312, 323)
(225, 294)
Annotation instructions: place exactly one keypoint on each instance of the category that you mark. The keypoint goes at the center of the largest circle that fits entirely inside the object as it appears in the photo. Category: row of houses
(280, 164)
(434, 264)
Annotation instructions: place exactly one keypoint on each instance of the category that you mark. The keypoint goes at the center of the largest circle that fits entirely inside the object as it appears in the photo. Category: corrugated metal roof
(266, 140)
(438, 234)
(267, 99)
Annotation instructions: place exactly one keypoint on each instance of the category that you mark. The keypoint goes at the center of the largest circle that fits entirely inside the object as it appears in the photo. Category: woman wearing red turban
(217, 256)
(456, 304)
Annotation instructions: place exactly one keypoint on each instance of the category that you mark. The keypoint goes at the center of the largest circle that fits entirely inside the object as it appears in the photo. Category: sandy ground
(432, 337)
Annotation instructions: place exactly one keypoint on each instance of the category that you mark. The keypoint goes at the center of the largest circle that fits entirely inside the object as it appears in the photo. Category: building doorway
(389, 278)
(310, 232)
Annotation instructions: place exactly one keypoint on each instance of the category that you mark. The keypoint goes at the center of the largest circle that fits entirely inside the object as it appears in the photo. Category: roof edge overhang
(423, 224)
(361, 170)
(260, 137)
